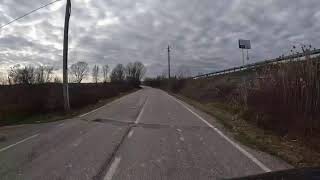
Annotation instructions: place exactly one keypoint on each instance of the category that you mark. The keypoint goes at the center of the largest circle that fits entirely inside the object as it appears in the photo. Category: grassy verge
(50, 117)
(293, 151)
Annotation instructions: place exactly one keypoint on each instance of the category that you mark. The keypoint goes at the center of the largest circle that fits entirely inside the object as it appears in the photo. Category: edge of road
(268, 162)
(233, 143)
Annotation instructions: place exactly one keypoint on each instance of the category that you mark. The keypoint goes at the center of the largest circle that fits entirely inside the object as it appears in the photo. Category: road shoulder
(252, 139)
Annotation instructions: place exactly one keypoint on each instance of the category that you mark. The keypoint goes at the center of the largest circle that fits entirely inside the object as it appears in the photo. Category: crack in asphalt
(149, 126)
(104, 168)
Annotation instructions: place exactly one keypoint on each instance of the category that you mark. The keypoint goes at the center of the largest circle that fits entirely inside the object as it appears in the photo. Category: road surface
(145, 135)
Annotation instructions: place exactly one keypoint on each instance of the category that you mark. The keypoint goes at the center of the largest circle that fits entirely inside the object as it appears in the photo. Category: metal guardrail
(257, 64)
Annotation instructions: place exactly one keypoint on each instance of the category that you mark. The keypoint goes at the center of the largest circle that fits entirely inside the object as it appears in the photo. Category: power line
(28, 14)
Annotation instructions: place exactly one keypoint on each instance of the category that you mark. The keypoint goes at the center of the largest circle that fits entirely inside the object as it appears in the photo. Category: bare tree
(164, 73)
(183, 72)
(79, 71)
(21, 75)
(43, 74)
(39, 75)
(95, 74)
(56, 79)
(134, 72)
(105, 70)
(48, 72)
(3, 79)
(13, 74)
(118, 73)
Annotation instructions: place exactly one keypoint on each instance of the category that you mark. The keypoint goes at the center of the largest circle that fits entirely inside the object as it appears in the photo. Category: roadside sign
(244, 44)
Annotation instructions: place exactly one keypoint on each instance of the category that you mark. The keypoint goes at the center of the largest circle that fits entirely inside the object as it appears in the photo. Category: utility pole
(242, 57)
(168, 62)
(65, 57)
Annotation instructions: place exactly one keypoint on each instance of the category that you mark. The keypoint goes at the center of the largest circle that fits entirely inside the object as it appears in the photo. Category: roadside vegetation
(274, 108)
(34, 94)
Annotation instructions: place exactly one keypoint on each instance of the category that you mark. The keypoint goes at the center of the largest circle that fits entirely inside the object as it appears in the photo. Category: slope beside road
(145, 135)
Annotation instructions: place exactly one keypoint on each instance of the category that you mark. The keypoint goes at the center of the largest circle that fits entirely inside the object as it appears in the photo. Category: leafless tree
(118, 73)
(135, 71)
(105, 70)
(56, 79)
(21, 75)
(79, 71)
(164, 73)
(183, 72)
(95, 73)
(3, 79)
(43, 74)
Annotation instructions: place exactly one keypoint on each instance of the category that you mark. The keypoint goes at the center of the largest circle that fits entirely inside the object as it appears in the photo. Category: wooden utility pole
(242, 57)
(169, 62)
(65, 57)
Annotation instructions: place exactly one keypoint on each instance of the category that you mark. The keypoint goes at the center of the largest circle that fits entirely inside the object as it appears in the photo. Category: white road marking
(26, 139)
(130, 133)
(10, 127)
(60, 124)
(77, 142)
(112, 169)
(246, 153)
(141, 112)
(91, 111)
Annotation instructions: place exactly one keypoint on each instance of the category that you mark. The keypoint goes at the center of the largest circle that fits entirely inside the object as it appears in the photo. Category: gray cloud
(203, 34)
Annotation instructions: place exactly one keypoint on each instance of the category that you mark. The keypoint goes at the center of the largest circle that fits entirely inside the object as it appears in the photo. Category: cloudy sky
(203, 34)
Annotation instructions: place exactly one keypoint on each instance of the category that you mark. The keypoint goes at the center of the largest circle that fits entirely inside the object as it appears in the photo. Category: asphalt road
(145, 135)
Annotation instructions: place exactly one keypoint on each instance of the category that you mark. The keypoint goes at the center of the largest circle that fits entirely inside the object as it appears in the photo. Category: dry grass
(292, 91)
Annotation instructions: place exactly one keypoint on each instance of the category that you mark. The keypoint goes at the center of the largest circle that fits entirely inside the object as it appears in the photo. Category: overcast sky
(203, 33)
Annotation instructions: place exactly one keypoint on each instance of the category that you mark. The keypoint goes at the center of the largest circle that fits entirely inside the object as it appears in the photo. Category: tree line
(29, 74)
(133, 72)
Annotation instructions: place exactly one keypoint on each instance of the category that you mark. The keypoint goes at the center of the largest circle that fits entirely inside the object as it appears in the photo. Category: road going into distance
(145, 135)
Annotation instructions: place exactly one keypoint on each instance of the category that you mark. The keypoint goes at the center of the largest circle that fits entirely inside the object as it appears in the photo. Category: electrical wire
(16, 19)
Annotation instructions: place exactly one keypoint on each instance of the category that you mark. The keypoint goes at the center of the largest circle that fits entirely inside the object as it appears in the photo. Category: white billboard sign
(244, 44)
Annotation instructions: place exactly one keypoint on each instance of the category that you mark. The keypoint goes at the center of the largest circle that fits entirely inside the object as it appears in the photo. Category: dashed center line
(130, 133)
(181, 138)
(114, 165)
(112, 168)
(141, 112)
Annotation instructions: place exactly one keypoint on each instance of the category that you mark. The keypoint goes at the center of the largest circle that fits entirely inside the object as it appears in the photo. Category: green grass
(293, 151)
(56, 116)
